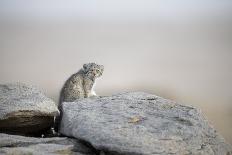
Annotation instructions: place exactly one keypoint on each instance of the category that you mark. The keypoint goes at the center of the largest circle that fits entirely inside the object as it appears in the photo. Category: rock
(24, 109)
(138, 123)
(20, 145)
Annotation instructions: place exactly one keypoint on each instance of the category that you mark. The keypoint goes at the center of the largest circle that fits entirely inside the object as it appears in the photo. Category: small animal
(79, 85)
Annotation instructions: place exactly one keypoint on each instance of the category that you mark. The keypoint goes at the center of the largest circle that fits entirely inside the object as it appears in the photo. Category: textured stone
(140, 123)
(24, 109)
(20, 145)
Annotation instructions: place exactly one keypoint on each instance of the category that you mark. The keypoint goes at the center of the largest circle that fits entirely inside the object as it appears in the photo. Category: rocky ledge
(138, 123)
(24, 109)
(133, 123)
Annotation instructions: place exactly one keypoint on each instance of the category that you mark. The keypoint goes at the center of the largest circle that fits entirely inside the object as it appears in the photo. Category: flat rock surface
(21, 145)
(25, 109)
(140, 123)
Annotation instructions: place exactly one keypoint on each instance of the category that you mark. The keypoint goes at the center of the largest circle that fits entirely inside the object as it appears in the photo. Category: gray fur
(80, 84)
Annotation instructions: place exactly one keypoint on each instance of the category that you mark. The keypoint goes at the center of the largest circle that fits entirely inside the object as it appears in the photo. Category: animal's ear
(85, 66)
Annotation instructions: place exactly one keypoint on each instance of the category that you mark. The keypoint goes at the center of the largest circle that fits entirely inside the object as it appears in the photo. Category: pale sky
(118, 9)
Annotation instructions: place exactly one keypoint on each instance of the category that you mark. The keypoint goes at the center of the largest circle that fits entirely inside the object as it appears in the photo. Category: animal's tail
(58, 118)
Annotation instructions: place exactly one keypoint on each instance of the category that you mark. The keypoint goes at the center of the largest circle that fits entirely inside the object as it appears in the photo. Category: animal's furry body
(80, 84)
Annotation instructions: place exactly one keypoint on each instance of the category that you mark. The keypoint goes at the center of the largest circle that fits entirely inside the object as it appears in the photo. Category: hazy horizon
(178, 50)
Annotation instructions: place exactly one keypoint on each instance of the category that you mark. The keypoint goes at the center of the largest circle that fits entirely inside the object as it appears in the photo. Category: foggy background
(180, 50)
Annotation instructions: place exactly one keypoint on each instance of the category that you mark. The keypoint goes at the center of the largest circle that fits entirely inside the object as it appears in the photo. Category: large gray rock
(140, 123)
(24, 109)
(20, 145)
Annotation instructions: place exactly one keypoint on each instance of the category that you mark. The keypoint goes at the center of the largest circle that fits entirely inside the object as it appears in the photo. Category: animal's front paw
(94, 96)
(93, 93)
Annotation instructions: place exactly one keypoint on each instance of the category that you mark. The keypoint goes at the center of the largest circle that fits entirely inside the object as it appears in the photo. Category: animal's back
(73, 88)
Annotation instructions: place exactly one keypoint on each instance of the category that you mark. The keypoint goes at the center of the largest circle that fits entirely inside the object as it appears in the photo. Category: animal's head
(93, 69)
